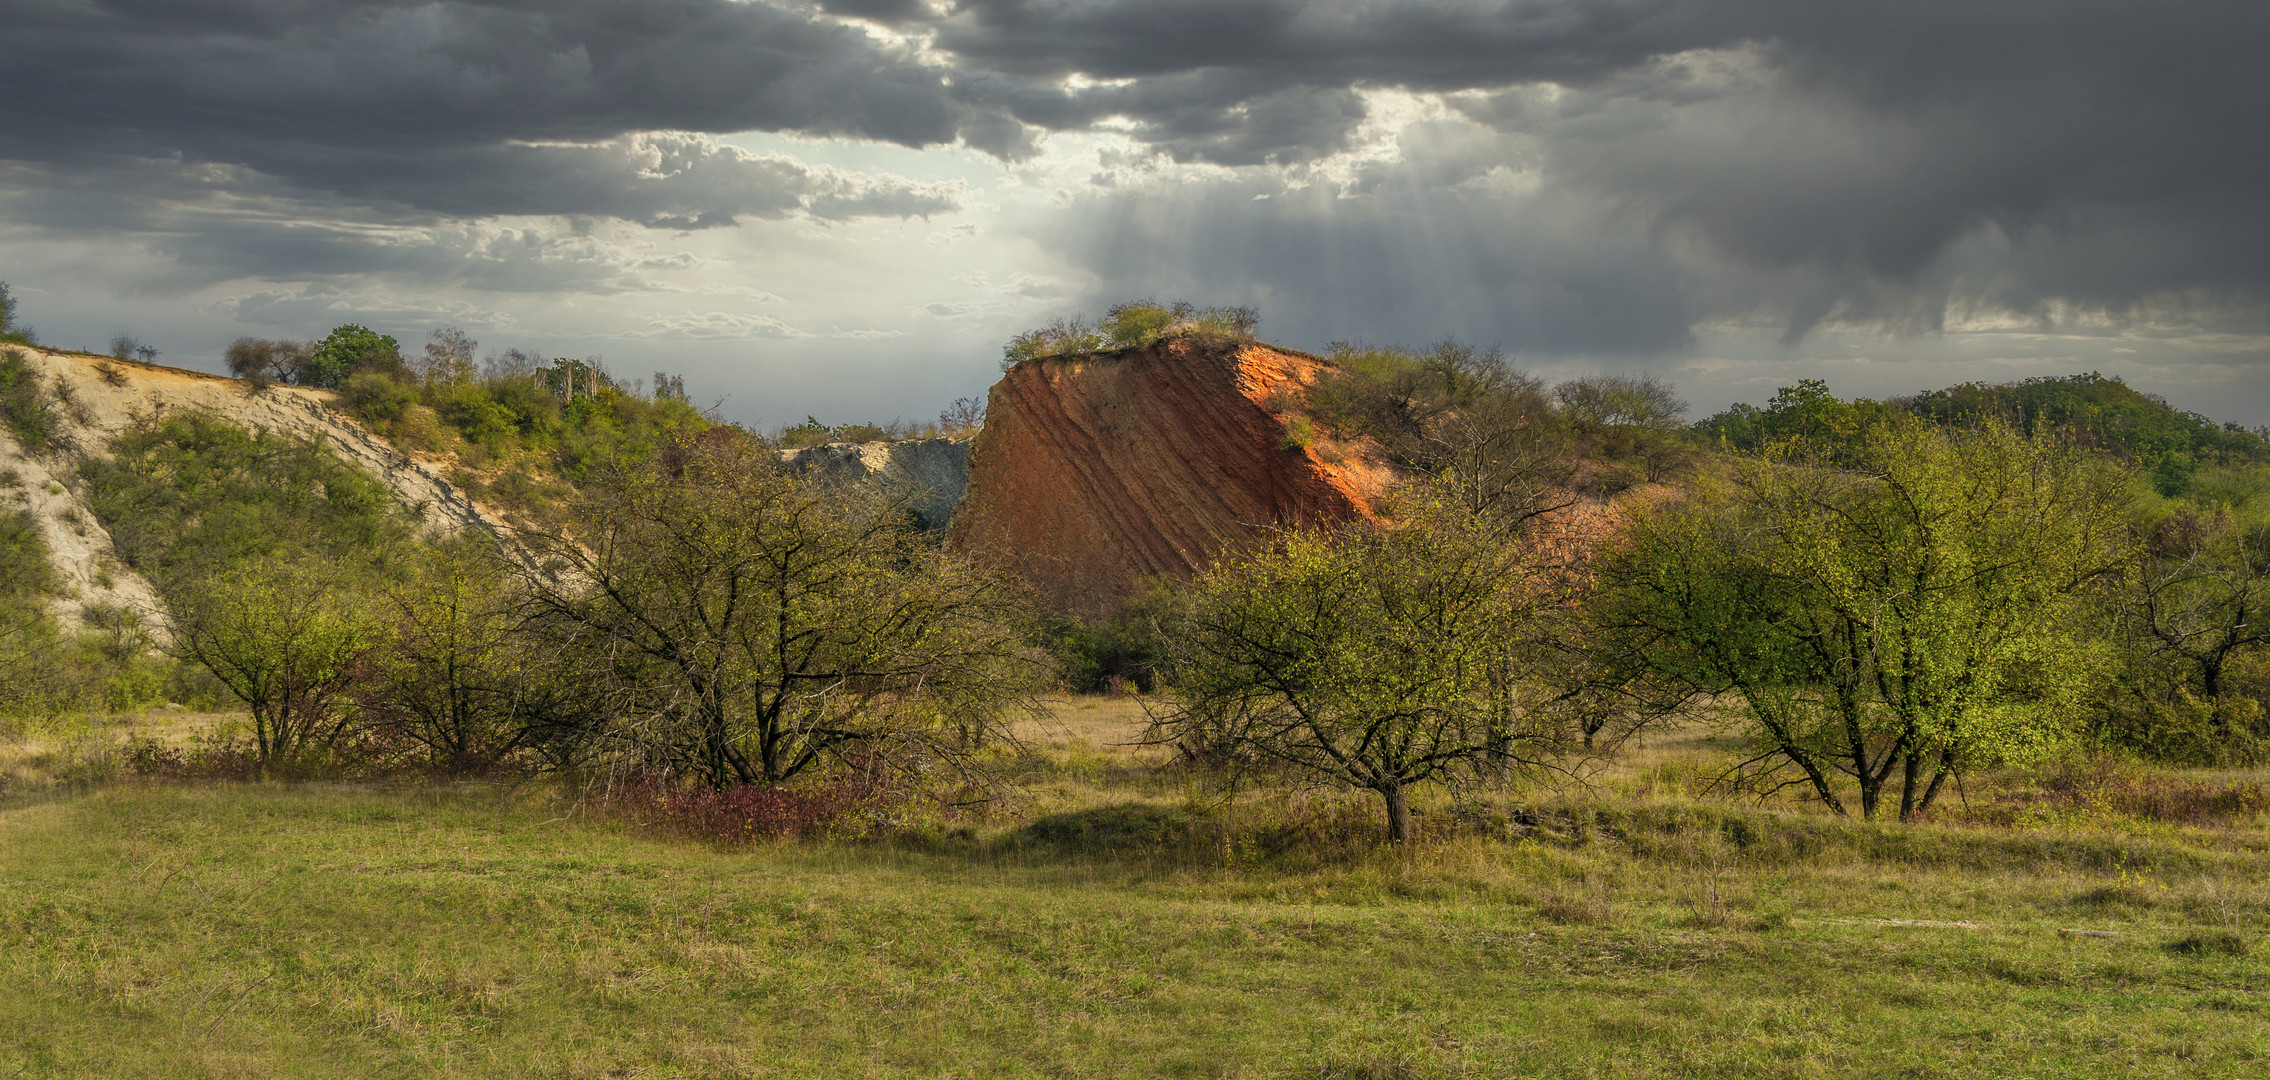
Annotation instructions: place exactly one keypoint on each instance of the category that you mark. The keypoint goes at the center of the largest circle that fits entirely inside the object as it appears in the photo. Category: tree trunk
(1910, 771)
(1871, 789)
(1398, 813)
(1946, 768)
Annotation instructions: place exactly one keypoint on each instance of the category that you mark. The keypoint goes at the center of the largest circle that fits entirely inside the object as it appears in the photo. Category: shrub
(2103, 787)
(1060, 338)
(851, 806)
(535, 412)
(2190, 730)
(286, 638)
(377, 397)
(24, 566)
(814, 433)
(1132, 325)
(193, 494)
(11, 332)
(229, 757)
(480, 418)
(26, 405)
(1139, 323)
(1129, 648)
(1142, 322)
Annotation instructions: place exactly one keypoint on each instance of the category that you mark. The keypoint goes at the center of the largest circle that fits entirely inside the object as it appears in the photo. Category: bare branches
(765, 623)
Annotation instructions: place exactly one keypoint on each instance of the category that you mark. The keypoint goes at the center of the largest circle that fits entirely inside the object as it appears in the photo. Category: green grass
(329, 931)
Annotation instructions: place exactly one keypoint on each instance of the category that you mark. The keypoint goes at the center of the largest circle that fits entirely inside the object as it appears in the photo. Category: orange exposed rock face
(1097, 472)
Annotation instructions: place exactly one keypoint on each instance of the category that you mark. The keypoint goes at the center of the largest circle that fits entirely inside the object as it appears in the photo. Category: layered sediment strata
(1097, 473)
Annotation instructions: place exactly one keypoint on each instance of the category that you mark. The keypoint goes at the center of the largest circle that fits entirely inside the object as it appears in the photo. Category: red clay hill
(1099, 471)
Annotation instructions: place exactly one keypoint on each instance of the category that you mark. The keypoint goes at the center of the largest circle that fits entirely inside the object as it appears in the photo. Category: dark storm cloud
(426, 104)
(1868, 160)
(666, 180)
(223, 222)
(1861, 161)
(1409, 260)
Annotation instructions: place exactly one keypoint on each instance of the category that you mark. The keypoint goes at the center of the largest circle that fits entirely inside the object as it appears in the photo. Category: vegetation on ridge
(1131, 325)
(11, 331)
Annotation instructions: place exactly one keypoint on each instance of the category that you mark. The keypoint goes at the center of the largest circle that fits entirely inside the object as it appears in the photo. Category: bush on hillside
(11, 331)
(345, 351)
(24, 567)
(814, 433)
(189, 496)
(27, 406)
(378, 398)
(1127, 651)
(1132, 325)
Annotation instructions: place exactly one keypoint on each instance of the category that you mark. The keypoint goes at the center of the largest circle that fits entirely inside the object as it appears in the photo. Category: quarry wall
(932, 474)
(1099, 472)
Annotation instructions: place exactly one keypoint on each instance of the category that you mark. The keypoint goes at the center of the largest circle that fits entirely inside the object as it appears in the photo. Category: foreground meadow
(1108, 929)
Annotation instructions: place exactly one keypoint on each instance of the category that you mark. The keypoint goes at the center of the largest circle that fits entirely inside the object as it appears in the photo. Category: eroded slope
(1098, 472)
(97, 398)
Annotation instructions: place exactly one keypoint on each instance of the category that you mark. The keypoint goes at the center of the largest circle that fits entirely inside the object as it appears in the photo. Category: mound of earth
(1096, 473)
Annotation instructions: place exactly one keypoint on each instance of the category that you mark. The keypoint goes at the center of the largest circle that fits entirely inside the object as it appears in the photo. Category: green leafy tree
(288, 639)
(1806, 414)
(2169, 445)
(11, 331)
(765, 624)
(1911, 613)
(345, 351)
(1379, 658)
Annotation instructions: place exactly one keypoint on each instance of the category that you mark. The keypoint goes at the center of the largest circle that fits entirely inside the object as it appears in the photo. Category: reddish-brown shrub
(857, 804)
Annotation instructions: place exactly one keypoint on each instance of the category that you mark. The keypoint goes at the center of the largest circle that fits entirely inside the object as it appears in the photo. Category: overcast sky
(843, 208)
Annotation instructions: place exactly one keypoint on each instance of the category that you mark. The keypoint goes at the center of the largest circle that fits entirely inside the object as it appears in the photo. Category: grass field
(354, 931)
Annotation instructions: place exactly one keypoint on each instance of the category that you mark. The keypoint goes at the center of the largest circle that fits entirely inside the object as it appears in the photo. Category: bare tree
(765, 623)
(458, 675)
(262, 362)
(964, 416)
(449, 358)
